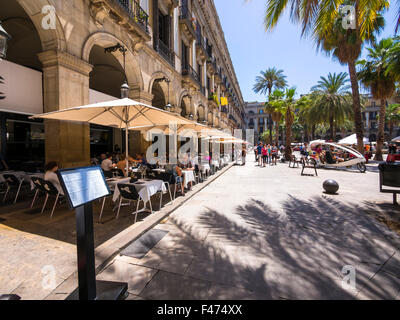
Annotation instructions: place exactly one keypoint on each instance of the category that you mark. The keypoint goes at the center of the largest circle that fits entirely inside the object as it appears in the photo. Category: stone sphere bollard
(331, 186)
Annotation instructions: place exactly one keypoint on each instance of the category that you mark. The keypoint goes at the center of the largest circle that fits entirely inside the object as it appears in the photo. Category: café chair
(51, 191)
(168, 179)
(14, 183)
(39, 187)
(129, 192)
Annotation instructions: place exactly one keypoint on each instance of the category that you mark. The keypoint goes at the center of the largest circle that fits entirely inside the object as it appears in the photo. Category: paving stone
(136, 276)
(168, 286)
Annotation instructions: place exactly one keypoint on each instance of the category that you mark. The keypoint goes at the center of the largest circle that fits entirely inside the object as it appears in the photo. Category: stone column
(65, 85)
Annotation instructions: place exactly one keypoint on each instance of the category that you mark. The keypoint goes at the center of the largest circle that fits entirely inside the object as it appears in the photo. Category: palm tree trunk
(288, 149)
(270, 125)
(381, 131)
(331, 127)
(313, 132)
(277, 133)
(391, 129)
(358, 124)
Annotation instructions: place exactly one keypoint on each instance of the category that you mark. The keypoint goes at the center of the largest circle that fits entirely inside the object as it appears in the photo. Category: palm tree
(332, 103)
(276, 113)
(268, 80)
(392, 117)
(376, 76)
(287, 105)
(326, 23)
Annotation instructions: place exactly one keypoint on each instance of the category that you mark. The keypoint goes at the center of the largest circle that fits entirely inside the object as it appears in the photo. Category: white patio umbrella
(350, 140)
(396, 140)
(122, 113)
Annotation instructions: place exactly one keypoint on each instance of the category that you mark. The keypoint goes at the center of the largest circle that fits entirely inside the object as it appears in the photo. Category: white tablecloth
(146, 189)
(204, 167)
(188, 176)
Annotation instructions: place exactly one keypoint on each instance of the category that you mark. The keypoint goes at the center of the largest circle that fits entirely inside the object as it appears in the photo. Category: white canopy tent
(350, 140)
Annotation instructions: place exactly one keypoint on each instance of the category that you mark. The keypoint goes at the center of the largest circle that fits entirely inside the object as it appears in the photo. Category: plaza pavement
(269, 233)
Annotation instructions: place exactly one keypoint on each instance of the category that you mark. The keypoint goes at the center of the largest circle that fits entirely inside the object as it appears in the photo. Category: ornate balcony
(166, 52)
(190, 74)
(212, 65)
(128, 13)
(186, 21)
(201, 48)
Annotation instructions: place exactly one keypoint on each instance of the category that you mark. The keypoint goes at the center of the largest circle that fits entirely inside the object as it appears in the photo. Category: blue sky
(252, 49)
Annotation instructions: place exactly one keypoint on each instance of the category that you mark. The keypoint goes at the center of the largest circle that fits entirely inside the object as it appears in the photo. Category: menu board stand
(89, 288)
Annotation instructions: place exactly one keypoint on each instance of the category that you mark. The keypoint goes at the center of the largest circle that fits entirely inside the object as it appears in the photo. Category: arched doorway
(105, 82)
(210, 118)
(107, 75)
(22, 139)
(159, 99)
(201, 116)
(185, 106)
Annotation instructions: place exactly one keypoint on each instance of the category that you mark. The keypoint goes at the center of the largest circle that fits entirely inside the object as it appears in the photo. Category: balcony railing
(136, 12)
(166, 53)
(187, 70)
(224, 109)
(186, 15)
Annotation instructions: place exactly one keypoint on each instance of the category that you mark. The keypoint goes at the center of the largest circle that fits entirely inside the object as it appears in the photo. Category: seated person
(50, 175)
(107, 164)
(121, 165)
(177, 171)
(330, 156)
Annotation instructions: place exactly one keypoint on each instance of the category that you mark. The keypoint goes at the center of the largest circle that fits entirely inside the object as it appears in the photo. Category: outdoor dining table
(204, 167)
(188, 176)
(145, 188)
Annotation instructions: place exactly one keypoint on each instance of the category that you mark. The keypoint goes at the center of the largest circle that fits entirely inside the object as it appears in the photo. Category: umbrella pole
(126, 150)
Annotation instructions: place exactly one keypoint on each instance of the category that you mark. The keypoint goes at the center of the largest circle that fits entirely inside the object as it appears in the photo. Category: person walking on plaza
(244, 154)
(274, 154)
(264, 155)
(259, 153)
(269, 157)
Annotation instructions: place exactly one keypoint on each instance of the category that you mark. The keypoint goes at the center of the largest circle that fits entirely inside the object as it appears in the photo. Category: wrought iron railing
(185, 14)
(187, 70)
(166, 53)
(136, 12)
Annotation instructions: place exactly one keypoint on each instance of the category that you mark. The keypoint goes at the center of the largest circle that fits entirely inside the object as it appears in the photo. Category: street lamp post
(4, 38)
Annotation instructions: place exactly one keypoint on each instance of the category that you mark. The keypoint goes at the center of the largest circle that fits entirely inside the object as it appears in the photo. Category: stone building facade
(256, 119)
(176, 58)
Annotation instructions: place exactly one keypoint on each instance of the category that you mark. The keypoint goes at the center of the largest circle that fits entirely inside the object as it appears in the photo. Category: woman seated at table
(50, 175)
(121, 165)
(178, 174)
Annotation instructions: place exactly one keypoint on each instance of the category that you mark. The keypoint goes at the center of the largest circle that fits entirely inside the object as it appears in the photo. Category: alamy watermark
(49, 277)
(349, 278)
(49, 19)
(348, 17)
